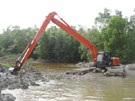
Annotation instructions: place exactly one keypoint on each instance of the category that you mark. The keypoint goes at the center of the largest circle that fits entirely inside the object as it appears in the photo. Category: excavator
(100, 59)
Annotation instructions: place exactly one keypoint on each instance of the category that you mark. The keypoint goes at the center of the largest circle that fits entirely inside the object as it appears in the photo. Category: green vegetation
(6, 64)
(113, 33)
(57, 46)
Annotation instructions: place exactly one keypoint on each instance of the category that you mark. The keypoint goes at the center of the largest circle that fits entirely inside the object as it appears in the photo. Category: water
(90, 87)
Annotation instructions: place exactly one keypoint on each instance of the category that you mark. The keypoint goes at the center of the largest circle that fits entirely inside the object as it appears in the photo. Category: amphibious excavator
(100, 59)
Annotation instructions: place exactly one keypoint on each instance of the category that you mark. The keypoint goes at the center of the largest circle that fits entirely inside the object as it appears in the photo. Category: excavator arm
(77, 36)
(63, 25)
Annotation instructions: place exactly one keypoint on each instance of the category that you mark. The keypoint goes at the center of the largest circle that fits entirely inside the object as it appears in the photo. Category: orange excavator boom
(63, 25)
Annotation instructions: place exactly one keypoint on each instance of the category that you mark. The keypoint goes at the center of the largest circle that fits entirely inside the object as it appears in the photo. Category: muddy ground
(28, 77)
(23, 80)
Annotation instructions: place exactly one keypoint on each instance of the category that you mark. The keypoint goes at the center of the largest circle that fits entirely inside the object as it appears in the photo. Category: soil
(23, 80)
(27, 76)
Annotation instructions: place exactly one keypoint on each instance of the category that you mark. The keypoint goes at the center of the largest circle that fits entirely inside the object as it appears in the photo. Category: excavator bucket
(13, 70)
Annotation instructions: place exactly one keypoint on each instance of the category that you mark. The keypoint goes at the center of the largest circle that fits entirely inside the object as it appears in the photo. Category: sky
(28, 13)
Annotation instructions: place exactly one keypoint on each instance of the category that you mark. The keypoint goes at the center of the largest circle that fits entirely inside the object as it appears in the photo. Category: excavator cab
(103, 59)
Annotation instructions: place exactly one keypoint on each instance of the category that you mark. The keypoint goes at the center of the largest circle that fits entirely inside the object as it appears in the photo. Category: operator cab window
(100, 57)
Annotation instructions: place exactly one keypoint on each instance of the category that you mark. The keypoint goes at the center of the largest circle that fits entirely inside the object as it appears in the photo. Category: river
(89, 87)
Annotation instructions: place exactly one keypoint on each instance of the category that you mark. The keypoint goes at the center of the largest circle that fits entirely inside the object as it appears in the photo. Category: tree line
(111, 32)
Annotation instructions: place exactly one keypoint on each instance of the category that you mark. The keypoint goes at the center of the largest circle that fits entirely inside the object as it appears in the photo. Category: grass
(7, 60)
(6, 64)
(10, 56)
(9, 64)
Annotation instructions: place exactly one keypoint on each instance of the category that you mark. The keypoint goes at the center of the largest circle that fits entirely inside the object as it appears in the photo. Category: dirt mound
(130, 66)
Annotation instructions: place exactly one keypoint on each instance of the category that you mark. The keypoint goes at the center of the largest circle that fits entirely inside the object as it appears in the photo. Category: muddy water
(90, 87)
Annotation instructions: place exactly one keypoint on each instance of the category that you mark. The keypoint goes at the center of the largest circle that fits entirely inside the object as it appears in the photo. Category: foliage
(111, 32)
(103, 18)
(56, 45)
(94, 37)
(131, 39)
(6, 64)
(114, 35)
(14, 40)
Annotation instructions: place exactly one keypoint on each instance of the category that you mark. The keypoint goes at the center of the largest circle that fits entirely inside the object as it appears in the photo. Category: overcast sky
(28, 13)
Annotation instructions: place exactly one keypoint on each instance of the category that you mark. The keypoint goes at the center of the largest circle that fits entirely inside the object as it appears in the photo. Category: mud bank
(28, 76)
(23, 80)
(130, 67)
